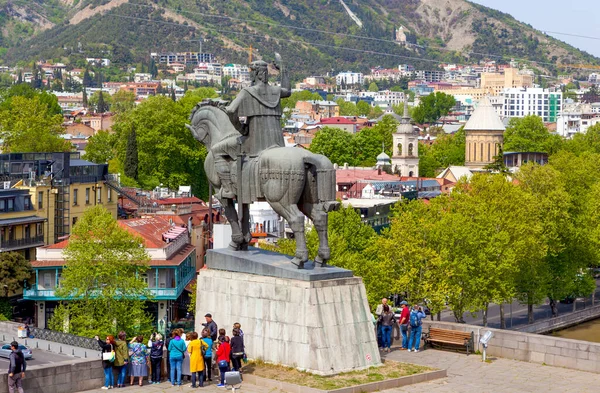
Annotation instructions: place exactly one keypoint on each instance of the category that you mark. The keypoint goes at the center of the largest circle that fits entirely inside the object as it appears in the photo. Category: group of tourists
(408, 321)
(187, 354)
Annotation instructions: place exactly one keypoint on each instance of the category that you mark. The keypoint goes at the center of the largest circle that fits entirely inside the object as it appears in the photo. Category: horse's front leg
(245, 230)
(237, 238)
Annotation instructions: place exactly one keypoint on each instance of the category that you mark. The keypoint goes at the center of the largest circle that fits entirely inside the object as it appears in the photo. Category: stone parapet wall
(324, 326)
(65, 377)
(562, 321)
(535, 348)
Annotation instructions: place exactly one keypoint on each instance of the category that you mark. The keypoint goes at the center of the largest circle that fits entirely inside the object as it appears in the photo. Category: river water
(587, 331)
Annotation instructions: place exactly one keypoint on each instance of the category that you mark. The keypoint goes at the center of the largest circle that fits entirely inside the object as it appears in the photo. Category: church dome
(405, 127)
(485, 118)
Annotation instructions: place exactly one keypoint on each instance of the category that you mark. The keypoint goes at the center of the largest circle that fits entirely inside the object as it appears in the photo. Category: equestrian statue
(247, 161)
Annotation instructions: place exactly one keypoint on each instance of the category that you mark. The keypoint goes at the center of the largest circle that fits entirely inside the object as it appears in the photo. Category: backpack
(415, 321)
(202, 348)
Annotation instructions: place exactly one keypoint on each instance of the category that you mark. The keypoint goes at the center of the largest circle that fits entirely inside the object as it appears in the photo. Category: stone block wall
(64, 377)
(324, 327)
(535, 348)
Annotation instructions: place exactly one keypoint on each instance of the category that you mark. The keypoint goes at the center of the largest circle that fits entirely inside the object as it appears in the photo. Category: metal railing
(65, 338)
(16, 243)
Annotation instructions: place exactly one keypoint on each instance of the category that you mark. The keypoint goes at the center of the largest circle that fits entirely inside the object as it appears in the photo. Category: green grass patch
(389, 370)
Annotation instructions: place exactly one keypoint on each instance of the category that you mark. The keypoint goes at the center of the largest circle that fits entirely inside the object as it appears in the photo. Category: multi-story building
(316, 110)
(520, 102)
(496, 83)
(187, 58)
(349, 78)
(429, 76)
(387, 96)
(577, 118)
(237, 71)
(171, 268)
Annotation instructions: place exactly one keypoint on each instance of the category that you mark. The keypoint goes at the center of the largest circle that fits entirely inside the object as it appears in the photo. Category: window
(27, 203)
(410, 149)
(2, 205)
(99, 194)
(108, 194)
(87, 196)
(74, 221)
(40, 200)
(27, 232)
(75, 197)
(39, 228)
(10, 205)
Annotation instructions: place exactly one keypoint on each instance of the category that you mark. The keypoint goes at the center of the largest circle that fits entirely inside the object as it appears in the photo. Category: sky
(577, 17)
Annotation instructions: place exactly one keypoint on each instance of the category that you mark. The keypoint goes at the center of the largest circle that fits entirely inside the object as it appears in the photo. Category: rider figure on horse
(260, 106)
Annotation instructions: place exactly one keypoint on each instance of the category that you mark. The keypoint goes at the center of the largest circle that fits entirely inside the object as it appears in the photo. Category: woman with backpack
(156, 346)
(197, 349)
(208, 354)
(121, 358)
(177, 350)
(108, 359)
(387, 321)
(415, 320)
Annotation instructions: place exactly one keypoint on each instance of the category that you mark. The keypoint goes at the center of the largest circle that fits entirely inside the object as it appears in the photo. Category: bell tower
(405, 157)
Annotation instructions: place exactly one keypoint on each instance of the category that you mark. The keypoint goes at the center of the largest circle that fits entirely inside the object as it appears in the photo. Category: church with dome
(484, 136)
(405, 157)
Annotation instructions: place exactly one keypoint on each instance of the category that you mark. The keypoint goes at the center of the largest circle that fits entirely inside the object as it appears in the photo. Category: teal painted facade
(164, 282)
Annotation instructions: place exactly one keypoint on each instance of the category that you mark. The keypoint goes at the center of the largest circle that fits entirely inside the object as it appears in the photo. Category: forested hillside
(126, 31)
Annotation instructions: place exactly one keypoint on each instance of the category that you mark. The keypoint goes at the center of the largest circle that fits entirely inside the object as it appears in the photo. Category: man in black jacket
(211, 326)
(16, 368)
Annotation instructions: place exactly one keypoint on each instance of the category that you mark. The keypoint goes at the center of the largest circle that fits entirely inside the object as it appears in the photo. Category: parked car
(5, 351)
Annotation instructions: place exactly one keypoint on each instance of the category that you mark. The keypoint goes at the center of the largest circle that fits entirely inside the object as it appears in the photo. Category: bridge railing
(65, 338)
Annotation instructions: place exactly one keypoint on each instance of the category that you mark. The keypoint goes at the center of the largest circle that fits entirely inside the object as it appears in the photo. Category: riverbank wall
(534, 348)
(562, 321)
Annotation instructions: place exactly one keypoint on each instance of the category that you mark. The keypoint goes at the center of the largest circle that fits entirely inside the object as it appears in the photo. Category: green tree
(334, 143)
(14, 270)
(446, 150)
(432, 107)
(363, 108)
(131, 156)
(28, 126)
(123, 101)
(99, 102)
(104, 264)
(26, 91)
(375, 112)
(528, 134)
(100, 147)
(192, 97)
(347, 108)
(167, 151)
(373, 87)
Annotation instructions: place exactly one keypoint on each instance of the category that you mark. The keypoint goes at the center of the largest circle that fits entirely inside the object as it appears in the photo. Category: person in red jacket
(223, 355)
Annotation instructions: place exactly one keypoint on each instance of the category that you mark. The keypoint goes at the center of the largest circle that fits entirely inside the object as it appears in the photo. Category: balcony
(50, 294)
(16, 244)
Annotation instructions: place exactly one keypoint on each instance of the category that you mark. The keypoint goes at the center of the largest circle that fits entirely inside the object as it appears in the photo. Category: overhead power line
(386, 54)
(363, 37)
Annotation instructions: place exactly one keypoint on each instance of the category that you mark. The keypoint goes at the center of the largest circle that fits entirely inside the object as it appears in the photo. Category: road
(39, 357)
(516, 314)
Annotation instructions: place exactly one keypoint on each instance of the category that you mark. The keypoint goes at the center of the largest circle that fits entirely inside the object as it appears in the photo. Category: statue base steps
(321, 326)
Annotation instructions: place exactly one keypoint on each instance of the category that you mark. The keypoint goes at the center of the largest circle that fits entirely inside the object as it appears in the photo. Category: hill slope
(128, 30)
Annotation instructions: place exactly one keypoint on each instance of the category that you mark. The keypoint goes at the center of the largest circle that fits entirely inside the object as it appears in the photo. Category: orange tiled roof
(151, 229)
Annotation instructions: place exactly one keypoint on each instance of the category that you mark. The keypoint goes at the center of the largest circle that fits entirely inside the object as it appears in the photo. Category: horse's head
(210, 123)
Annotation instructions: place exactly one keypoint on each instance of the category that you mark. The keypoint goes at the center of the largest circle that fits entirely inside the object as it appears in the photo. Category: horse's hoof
(298, 262)
(320, 262)
(234, 246)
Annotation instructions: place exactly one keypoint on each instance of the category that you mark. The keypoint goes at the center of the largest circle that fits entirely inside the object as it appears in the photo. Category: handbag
(109, 356)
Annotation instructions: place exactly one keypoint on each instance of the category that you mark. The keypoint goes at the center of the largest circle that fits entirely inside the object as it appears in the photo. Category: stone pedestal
(316, 320)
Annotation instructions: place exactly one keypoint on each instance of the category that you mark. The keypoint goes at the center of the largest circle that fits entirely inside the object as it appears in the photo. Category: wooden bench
(443, 337)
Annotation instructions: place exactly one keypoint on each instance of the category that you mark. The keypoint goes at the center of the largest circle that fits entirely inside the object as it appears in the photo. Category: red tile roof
(353, 175)
(151, 229)
(59, 245)
(179, 201)
(338, 120)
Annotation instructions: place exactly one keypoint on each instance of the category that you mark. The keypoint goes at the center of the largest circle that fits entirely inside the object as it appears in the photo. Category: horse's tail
(321, 181)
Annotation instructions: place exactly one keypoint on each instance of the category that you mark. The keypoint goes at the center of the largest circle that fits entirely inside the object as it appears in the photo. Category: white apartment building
(388, 96)
(350, 78)
(237, 71)
(594, 77)
(209, 69)
(520, 102)
(577, 118)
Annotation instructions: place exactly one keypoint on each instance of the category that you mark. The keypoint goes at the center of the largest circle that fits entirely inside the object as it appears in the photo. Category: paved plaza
(465, 374)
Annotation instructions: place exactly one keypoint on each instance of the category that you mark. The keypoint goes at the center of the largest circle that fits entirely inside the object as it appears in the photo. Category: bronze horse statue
(295, 182)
